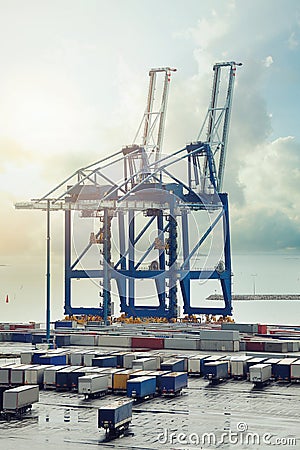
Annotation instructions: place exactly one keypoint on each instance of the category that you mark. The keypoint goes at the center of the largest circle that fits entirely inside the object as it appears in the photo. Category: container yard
(67, 418)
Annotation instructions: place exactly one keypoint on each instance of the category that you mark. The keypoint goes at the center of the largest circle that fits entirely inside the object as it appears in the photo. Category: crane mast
(218, 120)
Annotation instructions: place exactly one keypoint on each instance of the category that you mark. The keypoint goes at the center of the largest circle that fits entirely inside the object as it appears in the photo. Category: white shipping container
(35, 374)
(182, 344)
(295, 371)
(145, 364)
(260, 373)
(127, 360)
(88, 358)
(17, 374)
(20, 397)
(194, 364)
(238, 366)
(114, 341)
(76, 358)
(219, 335)
(5, 372)
(49, 377)
(26, 357)
(84, 339)
(92, 384)
(220, 346)
(110, 371)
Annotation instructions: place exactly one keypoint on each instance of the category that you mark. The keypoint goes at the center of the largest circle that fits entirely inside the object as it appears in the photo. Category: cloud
(293, 42)
(268, 61)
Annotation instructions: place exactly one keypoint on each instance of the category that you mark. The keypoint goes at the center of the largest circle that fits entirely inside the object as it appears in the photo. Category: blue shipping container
(158, 374)
(36, 357)
(217, 370)
(173, 382)
(22, 337)
(105, 361)
(173, 365)
(282, 370)
(63, 324)
(62, 340)
(63, 378)
(141, 387)
(114, 415)
(53, 360)
(74, 377)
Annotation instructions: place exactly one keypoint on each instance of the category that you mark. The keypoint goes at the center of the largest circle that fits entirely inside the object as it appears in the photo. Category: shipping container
(17, 374)
(116, 417)
(255, 346)
(90, 340)
(144, 364)
(276, 346)
(260, 374)
(114, 341)
(147, 342)
(173, 383)
(49, 379)
(262, 329)
(273, 362)
(62, 340)
(93, 385)
(36, 356)
(53, 360)
(219, 335)
(88, 357)
(63, 379)
(241, 327)
(74, 376)
(215, 371)
(35, 375)
(252, 361)
(105, 361)
(220, 346)
(111, 372)
(65, 324)
(76, 358)
(141, 373)
(195, 364)
(238, 366)
(128, 359)
(282, 370)
(141, 388)
(17, 400)
(5, 373)
(158, 374)
(182, 343)
(173, 365)
(295, 371)
(124, 359)
(26, 357)
(120, 379)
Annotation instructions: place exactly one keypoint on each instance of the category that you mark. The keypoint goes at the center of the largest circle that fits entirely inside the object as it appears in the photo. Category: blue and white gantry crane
(154, 212)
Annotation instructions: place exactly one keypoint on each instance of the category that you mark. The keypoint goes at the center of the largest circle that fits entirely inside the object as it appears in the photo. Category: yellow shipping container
(120, 379)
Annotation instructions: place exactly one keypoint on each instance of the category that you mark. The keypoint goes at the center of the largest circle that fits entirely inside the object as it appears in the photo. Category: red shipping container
(255, 346)
(262, 329)
(148, 342)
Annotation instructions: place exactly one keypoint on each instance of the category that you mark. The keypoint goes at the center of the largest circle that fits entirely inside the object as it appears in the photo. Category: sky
(73, 85)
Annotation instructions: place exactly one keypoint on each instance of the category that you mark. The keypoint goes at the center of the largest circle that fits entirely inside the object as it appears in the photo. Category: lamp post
(254, 275)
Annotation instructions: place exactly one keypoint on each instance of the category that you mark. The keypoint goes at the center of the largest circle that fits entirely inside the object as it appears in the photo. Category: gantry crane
(157, 196)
